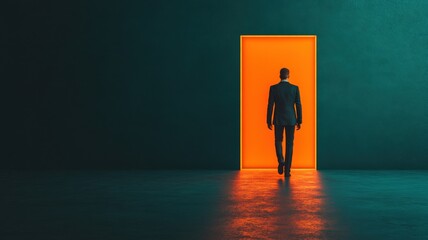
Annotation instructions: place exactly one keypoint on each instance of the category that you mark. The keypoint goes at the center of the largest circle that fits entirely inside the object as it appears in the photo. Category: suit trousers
(289, 139)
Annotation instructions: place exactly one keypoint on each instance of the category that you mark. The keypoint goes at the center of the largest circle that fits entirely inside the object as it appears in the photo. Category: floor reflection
(265, 205)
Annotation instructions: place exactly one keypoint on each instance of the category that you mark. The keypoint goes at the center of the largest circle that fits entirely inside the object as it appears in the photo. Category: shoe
(281, 167)
(287, 174)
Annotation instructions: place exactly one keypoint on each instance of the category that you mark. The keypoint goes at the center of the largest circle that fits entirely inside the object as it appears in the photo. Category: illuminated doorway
(262, 56)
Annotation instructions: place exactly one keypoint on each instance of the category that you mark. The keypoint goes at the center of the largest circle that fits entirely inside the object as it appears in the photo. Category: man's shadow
(284, 186)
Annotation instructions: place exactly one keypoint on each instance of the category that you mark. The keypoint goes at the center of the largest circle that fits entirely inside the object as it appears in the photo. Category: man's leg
(279, 133)
(289, 139)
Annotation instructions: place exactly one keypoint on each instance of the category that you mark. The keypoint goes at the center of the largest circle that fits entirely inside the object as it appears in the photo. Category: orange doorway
(262, 56)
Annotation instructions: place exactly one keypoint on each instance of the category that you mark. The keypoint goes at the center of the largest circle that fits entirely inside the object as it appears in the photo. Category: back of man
(285, 97)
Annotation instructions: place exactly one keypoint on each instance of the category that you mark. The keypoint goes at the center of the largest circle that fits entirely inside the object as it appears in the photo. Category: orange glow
(261, 59)
(267, 206)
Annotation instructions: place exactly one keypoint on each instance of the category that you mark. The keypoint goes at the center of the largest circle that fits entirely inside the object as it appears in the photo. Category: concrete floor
(248, 204)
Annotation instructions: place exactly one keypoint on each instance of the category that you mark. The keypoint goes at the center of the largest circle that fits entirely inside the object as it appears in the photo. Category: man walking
(284, 96)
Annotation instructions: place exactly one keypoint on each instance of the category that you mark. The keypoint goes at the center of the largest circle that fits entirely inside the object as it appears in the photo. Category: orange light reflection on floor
(261, 59)
(264, 205)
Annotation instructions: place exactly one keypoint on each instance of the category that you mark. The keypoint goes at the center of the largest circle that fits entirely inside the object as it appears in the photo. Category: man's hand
(298, 126)
(270, 126)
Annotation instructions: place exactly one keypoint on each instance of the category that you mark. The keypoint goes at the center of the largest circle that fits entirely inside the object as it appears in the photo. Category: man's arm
(270, 109)
(298, 107)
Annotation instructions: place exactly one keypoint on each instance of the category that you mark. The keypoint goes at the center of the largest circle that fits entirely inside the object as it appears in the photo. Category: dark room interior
(121, 120)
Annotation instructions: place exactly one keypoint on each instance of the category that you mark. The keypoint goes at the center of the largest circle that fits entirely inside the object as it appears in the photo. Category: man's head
(284, 73)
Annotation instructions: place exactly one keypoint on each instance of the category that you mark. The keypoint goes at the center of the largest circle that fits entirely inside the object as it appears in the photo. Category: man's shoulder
(274, 85)
(289, 85)
(293, 85)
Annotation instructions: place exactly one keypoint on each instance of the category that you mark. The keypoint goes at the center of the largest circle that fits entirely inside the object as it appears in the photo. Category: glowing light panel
(261, 59)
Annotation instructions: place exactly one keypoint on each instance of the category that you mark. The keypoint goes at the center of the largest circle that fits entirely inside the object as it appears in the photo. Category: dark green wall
(150, 84)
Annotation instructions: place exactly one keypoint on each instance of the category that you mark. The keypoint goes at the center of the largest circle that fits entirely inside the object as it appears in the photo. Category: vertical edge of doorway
(240, 102)
(315, 99)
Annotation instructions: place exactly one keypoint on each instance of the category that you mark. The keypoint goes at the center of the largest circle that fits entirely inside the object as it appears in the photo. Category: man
(284, 96)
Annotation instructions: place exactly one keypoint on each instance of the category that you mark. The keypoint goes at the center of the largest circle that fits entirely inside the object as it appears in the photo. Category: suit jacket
(284, 96)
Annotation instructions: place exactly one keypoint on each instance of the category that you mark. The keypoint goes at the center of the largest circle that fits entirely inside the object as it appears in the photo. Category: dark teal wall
(151, 84)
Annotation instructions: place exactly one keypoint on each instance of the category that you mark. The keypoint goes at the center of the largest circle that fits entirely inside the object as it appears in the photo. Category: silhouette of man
(284, 96)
